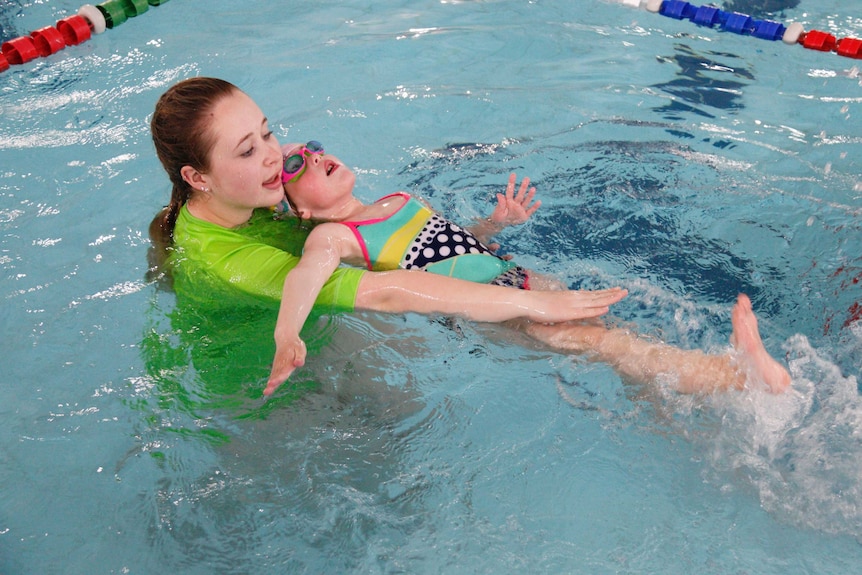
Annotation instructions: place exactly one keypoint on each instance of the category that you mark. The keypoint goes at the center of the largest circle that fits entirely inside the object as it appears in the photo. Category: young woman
(225, 166)
(398, 231)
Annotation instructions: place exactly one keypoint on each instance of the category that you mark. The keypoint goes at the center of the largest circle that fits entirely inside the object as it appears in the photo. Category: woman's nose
(274, 153)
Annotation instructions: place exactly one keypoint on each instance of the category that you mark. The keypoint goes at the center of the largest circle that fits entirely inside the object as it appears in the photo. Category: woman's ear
(194, 178)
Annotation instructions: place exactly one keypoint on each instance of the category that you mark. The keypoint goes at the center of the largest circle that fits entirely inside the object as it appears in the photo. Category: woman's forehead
(236, 117)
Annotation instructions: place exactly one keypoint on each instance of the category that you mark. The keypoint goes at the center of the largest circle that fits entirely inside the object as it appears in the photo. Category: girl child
(398, 231)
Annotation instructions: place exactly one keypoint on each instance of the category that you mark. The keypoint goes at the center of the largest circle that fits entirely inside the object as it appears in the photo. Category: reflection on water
(703, 81)
(759, 8)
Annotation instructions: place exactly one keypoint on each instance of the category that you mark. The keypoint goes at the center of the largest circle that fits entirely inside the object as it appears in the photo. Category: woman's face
(245, 160)
(325, 183)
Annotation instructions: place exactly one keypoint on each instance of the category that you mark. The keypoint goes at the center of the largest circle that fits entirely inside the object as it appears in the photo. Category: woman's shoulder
(287, 234)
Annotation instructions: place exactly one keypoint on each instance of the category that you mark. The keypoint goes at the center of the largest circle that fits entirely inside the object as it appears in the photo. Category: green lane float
(114, 13)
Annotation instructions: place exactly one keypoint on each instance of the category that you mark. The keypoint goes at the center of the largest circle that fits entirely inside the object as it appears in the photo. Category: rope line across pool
(72, 30)
(743, 24)
(91, 20)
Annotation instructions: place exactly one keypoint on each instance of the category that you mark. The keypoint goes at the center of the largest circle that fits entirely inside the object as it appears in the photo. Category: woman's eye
(248, 152)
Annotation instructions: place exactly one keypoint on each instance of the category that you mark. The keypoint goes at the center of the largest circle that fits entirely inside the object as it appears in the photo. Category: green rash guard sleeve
(253, 258)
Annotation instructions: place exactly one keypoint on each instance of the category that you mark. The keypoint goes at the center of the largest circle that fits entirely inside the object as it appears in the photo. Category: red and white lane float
(71, 31)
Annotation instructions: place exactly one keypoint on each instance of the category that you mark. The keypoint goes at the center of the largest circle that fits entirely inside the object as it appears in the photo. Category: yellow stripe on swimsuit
(392, 252)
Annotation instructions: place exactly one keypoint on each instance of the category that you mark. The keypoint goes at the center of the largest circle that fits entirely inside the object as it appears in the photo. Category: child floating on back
(398, 231)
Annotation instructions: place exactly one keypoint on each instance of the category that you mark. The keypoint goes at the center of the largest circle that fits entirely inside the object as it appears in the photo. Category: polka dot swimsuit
(414, 237)
(438, 240)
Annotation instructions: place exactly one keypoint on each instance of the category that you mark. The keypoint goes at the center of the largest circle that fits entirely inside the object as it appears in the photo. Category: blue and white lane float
(712, 17)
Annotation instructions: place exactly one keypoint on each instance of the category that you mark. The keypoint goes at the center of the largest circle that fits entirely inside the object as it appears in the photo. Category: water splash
(801, 452)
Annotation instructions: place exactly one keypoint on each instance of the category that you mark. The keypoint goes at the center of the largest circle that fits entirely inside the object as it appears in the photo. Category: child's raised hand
(515, 209)
(288, 356)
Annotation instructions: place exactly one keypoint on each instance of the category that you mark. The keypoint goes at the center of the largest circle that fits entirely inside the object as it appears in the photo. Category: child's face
(324, 184)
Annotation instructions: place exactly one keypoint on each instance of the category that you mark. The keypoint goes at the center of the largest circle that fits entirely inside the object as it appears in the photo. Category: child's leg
(692, 370)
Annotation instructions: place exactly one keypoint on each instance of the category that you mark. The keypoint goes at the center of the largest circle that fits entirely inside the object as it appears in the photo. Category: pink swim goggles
(294, 164)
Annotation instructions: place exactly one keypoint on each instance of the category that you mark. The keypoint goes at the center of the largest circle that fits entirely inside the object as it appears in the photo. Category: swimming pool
(684, 163)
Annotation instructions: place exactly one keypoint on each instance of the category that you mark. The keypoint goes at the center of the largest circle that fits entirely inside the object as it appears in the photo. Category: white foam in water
(802, 450)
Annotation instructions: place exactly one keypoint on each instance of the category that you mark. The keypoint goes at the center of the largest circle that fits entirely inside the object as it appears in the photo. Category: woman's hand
(289, 355)
(514, 209)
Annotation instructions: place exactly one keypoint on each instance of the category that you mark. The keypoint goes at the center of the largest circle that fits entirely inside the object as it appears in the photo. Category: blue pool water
(683, 163)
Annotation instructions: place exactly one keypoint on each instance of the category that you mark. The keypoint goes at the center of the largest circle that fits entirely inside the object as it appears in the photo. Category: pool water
(683, 163)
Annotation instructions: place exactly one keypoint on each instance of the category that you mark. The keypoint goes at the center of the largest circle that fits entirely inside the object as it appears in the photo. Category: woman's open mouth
(273, 181)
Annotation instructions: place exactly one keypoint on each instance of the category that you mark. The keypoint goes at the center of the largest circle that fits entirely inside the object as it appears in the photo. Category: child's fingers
(286, 361)
(502, 204)
(278, 377)
(525, 184)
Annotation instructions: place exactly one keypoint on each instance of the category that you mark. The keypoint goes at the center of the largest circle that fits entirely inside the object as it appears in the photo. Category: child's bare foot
(746, 340)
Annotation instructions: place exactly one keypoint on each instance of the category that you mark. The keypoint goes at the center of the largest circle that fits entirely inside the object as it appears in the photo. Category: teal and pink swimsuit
(414, 237)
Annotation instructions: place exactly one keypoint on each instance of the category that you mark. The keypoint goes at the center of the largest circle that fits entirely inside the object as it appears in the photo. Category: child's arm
(402, 291)
(325, 247)
(511, 209)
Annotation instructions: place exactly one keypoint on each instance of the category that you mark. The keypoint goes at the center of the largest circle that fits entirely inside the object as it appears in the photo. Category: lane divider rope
(743, 24)
(71, 31)
(92, 20)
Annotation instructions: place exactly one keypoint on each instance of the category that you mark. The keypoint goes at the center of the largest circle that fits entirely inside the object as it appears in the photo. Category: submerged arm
(402, 291)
